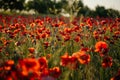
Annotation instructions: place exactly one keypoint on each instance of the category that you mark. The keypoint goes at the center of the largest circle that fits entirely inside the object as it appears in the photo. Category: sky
(115, 4)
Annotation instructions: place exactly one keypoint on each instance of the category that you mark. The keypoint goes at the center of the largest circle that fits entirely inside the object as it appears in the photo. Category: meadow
(58, 48)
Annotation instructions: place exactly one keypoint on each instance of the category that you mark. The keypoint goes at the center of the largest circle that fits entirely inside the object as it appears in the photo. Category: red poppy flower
(32, 25)
(28, 65)
(48, 56)
(77, 38)
(8, 64)
(66, 37)
(68, 61)
(101, 47)
(107, 62)
(68, 30)
(82, 57)
(1, 27)
(31, 50)
(89, 22)
(64, 59)
(45, 73)
(39, 22)
(55, 25)
(43, 35)
(46, 44)
(55, 72)
(103, 22)
(84, 49)
(0, 49)
(116, 35)
(96, 34)
(43, 63)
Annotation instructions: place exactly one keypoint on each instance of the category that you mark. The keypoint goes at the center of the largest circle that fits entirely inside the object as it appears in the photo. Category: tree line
(73, 7)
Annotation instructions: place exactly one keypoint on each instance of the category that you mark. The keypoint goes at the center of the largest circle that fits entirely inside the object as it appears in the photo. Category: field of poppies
(57, 48)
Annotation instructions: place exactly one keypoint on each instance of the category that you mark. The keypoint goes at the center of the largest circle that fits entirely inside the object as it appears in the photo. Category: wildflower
(89, 22)
(103, 22)
(82, 24)
(68, 30)
(48, 56)
(77, 38)
(47, 31)
(44, 35)
(118, 19)
(43, 63)
(64, 59)
(85, 49)
(8, 64)
(1, 27)
(55, 25)
(31, 50)
(39, 30)
(39, 22)
(101, 47)
(116, 35)
(82, 57)
(16, 31)
(55, 72)
(0, 49)
(68, 61)
(48, 19)
(107, 38)
(6, 42)
(44, 73)
(46, 44)
(107, 62)
(66, 37)
(29, 65)
(32, 25)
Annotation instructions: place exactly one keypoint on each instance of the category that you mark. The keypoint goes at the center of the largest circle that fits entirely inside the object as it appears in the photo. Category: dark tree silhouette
(55, 7)
(12, 4)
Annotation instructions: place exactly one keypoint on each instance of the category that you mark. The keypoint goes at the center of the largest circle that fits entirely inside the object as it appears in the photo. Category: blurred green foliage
(12, 4)
(56, 7)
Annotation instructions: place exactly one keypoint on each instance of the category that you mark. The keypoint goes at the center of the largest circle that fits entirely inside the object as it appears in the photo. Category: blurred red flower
(55, 72)
(77, 38)
(101, 47)
(43, 63)
(31, 50)
(82, 57)
(107, 62)
(68, 61)
(8, 64)
(28, 65)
